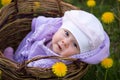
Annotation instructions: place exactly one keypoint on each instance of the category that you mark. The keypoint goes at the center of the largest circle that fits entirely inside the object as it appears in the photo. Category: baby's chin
(56, 53)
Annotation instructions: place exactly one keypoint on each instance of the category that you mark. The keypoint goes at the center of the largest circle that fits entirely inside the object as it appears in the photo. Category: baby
(78, 34)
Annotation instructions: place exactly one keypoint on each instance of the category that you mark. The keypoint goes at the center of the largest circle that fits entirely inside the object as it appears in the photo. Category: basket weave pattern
(15, 23)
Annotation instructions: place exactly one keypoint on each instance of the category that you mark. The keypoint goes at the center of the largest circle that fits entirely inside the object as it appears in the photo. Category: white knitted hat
(85, 27)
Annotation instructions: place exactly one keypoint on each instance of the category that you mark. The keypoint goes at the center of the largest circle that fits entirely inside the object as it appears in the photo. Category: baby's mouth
(59, 47)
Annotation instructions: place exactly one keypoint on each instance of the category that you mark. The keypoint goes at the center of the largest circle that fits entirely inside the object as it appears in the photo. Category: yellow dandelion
(59, 69)
(107, 17)
(5, 2)
(91, 3)
(107, 63)
(37, 5)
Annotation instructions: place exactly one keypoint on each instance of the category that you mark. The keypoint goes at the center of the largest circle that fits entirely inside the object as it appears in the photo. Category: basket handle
(49, 57)
(24, 64)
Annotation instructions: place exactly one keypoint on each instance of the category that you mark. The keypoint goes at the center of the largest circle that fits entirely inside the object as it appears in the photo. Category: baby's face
(64, 43)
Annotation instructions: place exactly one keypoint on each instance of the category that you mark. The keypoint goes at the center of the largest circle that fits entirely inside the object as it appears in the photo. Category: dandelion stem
(106, 74)
(102, 2)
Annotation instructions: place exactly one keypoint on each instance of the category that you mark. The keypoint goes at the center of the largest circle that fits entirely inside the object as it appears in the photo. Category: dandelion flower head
(59, 69)
(37, 5)
(5, 2)
(91, 3)
(107, 63)
(107, 17)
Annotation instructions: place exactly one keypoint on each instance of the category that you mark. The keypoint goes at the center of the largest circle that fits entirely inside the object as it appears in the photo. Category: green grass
(96, 72)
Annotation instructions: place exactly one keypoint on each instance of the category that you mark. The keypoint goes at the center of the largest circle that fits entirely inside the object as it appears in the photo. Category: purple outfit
(34, 43)
(42, 31)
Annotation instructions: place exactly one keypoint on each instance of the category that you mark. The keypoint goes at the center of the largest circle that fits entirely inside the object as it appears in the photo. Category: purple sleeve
(38, 49)
(43, 63)
(39, 30)
(36, 30)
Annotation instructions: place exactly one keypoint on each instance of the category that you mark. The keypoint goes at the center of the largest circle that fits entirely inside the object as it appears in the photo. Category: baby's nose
(65, 43)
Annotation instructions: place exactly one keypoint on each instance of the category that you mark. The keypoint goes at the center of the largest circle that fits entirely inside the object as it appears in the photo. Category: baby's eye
(66, 33)
(75, 45)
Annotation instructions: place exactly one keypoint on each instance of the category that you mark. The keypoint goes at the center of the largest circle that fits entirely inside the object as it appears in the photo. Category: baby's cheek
(72, 52)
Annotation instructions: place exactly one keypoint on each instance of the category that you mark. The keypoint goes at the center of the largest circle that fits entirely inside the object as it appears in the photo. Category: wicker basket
(15, 22)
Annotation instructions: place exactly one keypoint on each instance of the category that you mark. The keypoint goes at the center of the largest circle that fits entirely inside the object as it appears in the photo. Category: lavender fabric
(33, 44)
(42, 31)
(95, 56)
